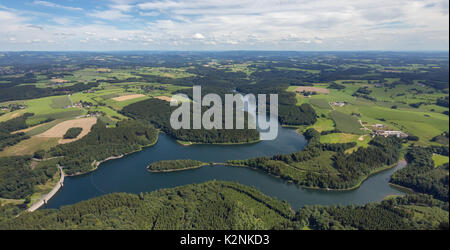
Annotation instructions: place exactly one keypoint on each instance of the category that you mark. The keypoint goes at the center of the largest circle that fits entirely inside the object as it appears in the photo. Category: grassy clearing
(11, 201)
(346, 123)
(29, 146)
(361, 140)
(323, 163)
(424, 214)
(339, 138)
(440, 160)
(11, 115)
(320, 103)
(323, 124)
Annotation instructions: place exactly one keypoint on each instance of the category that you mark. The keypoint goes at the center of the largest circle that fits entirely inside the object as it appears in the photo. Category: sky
(301, 25)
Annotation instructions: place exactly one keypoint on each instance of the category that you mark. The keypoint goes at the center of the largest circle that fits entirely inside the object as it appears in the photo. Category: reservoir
(129, 174)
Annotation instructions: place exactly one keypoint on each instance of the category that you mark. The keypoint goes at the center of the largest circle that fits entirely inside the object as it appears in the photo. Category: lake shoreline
(98, 163)
(49, 195)
(177, 170)
(379, 170)
(188, 143)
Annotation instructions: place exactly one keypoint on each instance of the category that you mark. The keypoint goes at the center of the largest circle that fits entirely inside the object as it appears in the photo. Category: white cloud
(151, 13)
(122, 7)
(109, 15)
(199, 36)
(54, 5)
(244, 24)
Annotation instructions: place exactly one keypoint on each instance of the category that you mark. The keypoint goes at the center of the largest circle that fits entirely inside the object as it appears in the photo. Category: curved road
(48, 196)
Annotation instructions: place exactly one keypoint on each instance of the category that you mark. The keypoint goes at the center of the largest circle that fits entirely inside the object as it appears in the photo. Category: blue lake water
(129, 174)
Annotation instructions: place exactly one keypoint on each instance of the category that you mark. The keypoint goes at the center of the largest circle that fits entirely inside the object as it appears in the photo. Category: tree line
(72, 133)
(351, 168)
(421, 175)
(18, 179)
(173, 165)
(18, 123)
(158, 113)
(218, 205)
(80, 156)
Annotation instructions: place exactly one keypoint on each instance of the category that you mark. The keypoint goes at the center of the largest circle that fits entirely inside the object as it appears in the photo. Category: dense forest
(174, 165)
(288, 111)
(411, 212)
(212, 205)
(442, 138)
(72, 133)
(21, 88)
(15, 124)
(422, 175)
(82, 155)
(321, 165)
(158, 113)
(226, 206)
(18, 178)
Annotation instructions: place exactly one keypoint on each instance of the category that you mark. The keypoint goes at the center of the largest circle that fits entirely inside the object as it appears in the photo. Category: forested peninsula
(327, 166)
(158, 113)
(174, 165)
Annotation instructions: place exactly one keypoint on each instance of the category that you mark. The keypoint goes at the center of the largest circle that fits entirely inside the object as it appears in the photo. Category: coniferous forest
(18, 179)
(225, 205)
(341, 171)
(174, 165)
(101, 143)
(158, 113)
(9, 139)
(421, 174)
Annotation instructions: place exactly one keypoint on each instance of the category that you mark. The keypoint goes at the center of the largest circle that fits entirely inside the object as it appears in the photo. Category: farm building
(379, 126)
(338, 104)
(387, 133)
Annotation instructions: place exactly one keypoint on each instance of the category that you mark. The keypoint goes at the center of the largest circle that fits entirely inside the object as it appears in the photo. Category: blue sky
(307, 25)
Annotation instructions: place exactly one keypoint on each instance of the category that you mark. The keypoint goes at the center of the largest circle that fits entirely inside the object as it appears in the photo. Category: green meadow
(440, 160)
(346, 123)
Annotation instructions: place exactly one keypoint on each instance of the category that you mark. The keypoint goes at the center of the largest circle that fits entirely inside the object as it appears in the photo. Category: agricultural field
(30, 146)
(165, 72)
(392, 106)
(320, 103)
(346, 123)
(323, 124)
(338, 101)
